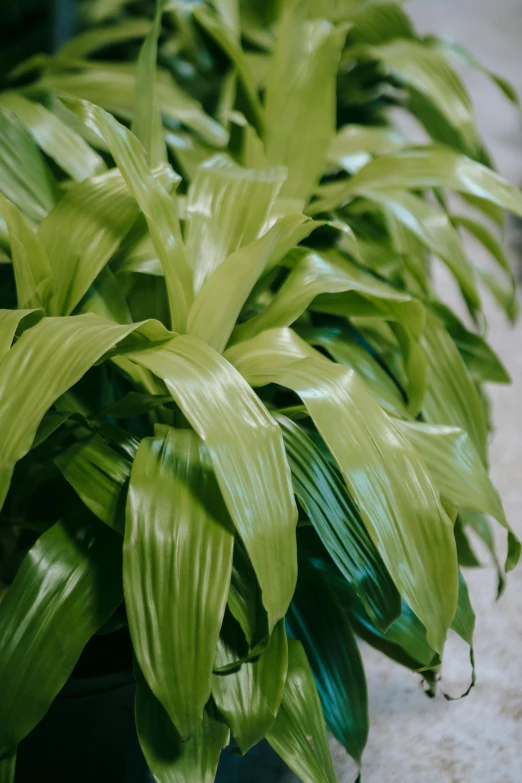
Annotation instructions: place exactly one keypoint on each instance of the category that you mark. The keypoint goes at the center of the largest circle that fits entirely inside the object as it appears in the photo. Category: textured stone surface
(477, 740)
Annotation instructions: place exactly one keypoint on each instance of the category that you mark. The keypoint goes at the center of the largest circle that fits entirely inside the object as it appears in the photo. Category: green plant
(178, 366)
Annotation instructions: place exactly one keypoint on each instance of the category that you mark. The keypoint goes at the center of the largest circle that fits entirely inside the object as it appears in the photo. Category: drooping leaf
(68, 586)
(45, 362)
(338, 523)
(249, 696)
(32, 270)
(11, 321)
(98, 213)
(398, 503)
(156, 204)
(355, 145)
(25, 179)
(255, 478)
(300, 98)
(54, 137)
(146, 123)
(176, 569)
(317, 619)
(298, 734)
(169, 758)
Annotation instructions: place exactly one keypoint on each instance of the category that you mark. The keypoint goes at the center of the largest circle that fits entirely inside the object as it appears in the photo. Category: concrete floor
(479, 739)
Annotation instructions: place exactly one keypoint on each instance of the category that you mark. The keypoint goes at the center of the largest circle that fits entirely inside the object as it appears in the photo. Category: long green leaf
(249, 697)
(146, 123)
(11, 321)
(317, 619)
(228, 206)
(177, 562)
(247, 451)
(169, 758)
(54, 137)
(300, 99)
(355, 145)
(398, 503)
(45, 362)
(156, 204)
(95, 38)
(298, 734)
(68, 586)
(338, 523)
(32, 269)
(7, 769)
(25, 178)
(98, 213)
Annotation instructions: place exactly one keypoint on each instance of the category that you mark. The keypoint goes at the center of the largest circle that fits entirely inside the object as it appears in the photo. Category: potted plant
(236, 418)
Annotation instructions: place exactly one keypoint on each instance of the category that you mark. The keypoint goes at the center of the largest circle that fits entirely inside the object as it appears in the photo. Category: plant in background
(235, 413)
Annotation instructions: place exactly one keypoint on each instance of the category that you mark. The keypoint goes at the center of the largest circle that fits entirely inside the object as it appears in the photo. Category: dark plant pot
(89, 734)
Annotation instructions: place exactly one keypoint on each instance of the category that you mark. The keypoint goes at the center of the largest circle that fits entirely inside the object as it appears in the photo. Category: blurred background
(414, 739)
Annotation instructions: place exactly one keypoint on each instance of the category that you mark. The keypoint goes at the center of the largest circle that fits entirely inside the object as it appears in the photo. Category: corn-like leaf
(398, 503)
(88, 41)
(300, 99)
(355, 145)
(155, 203)
(10, 323)
(54, 137)
(429, 167)
(227, 206)
(114, 88)
(346, 351)
(99, 475)
(177, 563)
(232, 282)
(67, 587)
(452, 397)
(375, 23)
(98, 213)
(169, 758)
(338, 523)
(458, 473)
(25, 178)
(298, 734)
(45, 362)
(146, 123)
(247, 451)
(249, 696)
(32, 269)
(317, 619)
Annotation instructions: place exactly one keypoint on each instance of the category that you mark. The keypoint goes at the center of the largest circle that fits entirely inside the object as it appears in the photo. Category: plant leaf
(67, 587)
(338, 523)
(177, 562)
(11, 321)
(298, 734)
(391, 486)
(7, 768)
(249, 697)
(169, 758)
(54, 137)
(247, 452)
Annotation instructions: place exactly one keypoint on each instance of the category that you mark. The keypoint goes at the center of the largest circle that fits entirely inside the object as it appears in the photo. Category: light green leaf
(429, 167)
(99, 475)
(398, 503)
(11, 322)
(98, 213)
(232, 282)
(45, 362)
(317, 619)
(156, 204)
(464, 620)
(254, 478)
(298, 734)
(177, 561)
(146, 123)
(98, 37)
(68, 586)
(338, 523)
(300, 99)
(169, 758)
(377, 22)
(33, 275)
(227, 207)
(355, 145)
(452, 397)
(54, 137)
(249, 697)
(25, 179)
